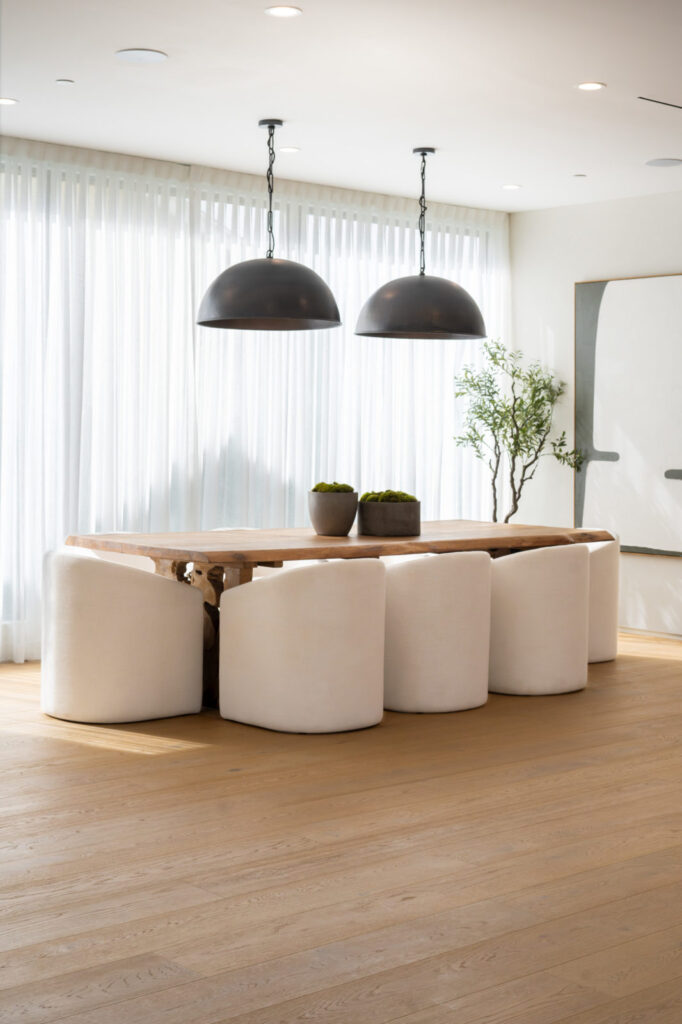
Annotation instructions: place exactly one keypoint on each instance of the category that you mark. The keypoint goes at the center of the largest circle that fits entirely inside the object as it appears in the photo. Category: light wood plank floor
(517, 864)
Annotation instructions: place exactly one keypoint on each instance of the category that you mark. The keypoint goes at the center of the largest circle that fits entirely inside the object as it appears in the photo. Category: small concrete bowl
(332, 513)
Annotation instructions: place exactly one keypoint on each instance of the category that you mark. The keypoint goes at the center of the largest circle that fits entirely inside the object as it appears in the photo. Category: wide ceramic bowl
(389, 518)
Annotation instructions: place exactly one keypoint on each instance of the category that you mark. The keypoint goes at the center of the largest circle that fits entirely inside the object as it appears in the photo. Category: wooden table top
(249, 547)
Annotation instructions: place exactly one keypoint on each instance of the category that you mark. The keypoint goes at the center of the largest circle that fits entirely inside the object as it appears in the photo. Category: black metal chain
(271, 184)
(422, 219)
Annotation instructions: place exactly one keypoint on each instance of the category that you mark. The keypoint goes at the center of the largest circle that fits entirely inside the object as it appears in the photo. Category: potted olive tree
(508, 420)
(389, 514)
(332, 508)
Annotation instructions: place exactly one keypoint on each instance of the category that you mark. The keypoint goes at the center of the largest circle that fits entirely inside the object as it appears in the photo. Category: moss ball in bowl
(389, 514)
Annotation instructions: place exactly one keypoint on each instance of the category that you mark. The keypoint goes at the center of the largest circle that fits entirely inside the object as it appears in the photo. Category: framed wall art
(628, 410)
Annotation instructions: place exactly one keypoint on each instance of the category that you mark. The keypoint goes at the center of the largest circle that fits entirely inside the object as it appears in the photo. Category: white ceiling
(490, 83)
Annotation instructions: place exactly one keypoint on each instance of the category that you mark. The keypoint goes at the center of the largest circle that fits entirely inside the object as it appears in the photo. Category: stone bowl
(389, 518)
(332, 513)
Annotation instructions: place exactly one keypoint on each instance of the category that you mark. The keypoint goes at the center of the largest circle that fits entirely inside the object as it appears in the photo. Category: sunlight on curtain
(118, 413)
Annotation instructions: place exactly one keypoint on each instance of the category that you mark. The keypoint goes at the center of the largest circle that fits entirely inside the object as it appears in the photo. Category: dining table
(217, 560)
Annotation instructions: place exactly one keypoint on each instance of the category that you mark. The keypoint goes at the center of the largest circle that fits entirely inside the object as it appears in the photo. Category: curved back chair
(604, 558)
(437, 632)
(261, 571)
(118, 557)
(538, 633)
(119, 645)
(304, 651)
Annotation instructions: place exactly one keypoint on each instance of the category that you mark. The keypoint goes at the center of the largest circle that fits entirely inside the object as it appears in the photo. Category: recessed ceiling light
(140, 56)
(664, 161)
(7, 101)
(283, 11)
(592, 86)
(289, 149)
(511, 188)
(64, 81)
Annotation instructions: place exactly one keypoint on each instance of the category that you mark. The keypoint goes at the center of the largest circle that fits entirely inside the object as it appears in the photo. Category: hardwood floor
(517, 864)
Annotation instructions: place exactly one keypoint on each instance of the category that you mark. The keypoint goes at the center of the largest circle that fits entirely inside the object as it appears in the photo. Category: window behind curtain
(118, 413)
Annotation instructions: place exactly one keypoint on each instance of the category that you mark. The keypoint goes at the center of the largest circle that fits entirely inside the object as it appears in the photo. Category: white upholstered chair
(539, 621)
(437, 632)
(604, 559)
(260, 571)
(303, 651)
(119, 558)
(119, 644)
(267, 571)
(389, 560)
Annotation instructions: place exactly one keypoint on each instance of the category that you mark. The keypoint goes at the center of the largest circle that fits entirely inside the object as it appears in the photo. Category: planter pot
(389, 518)
(332, 513)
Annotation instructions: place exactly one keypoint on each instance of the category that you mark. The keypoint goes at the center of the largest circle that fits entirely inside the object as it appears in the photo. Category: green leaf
(508, 415)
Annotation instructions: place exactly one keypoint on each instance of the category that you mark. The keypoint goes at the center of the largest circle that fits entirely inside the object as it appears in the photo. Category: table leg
(211, 580)
(171, 570)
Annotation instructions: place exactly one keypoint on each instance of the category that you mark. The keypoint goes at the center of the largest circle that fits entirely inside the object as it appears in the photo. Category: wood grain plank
(42, 1003)
(200, 929)
(540, 998)
(235, 547)
(657, 1004)
(368, 977)
(519, 863)
(651, 959)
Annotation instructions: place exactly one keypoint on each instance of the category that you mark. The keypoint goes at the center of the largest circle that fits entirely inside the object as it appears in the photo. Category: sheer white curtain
(118, 413)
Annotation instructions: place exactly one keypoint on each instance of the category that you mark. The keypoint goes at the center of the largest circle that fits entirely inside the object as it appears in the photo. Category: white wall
(551, 250)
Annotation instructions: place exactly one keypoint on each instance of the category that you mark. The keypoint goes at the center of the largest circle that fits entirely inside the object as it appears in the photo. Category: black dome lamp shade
(269, 294)
(421, 306)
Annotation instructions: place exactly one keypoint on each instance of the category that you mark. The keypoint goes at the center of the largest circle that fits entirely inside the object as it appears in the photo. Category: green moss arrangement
(333, 488)
(387, 496)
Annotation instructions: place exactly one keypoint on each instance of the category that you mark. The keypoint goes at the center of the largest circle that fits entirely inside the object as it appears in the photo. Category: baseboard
(629, 631)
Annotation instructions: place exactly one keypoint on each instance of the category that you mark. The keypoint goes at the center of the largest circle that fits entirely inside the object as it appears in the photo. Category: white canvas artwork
(629, 410)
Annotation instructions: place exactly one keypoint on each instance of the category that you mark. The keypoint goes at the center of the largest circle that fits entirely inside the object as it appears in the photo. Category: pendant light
(269, 294)
(421, 306)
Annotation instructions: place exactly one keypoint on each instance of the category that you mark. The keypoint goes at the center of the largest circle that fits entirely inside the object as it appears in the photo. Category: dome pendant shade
(269, 295)
(421, 306)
